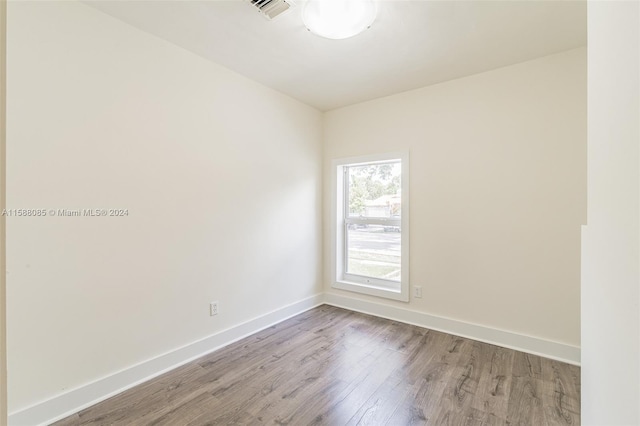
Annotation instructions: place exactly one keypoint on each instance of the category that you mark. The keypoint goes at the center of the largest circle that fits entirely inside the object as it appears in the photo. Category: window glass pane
(374, 190)
(374, 251)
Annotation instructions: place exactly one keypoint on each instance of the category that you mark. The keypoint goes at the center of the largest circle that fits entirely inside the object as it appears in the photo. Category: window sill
(372, 290)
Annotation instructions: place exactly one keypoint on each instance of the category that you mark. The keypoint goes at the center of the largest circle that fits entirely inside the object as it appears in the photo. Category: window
(371, 225)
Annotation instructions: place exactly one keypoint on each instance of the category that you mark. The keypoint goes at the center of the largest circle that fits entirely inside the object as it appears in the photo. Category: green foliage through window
(369, 183)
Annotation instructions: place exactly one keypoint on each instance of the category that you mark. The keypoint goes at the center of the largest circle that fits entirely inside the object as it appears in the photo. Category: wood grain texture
(331, 366)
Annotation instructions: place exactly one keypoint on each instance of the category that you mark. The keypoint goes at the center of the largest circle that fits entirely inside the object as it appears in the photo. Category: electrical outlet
(417, 292)
(213, 308)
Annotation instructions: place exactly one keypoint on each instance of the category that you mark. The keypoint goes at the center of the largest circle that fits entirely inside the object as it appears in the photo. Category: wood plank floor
(331, 366)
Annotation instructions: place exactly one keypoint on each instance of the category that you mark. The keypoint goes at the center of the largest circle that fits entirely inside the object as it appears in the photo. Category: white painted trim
(340, 279)
(72, 401)
(68, 403)
(533, 345)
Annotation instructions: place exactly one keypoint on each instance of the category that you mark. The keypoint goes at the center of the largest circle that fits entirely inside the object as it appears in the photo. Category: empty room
(329, 212)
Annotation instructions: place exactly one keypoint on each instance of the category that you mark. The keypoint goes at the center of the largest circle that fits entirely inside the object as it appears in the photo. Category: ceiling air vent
(272, 8)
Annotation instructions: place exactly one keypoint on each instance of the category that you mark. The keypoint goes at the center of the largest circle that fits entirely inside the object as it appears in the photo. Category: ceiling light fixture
(338, 19)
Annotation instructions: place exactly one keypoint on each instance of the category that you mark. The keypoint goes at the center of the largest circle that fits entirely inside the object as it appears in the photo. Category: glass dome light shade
(338, 19)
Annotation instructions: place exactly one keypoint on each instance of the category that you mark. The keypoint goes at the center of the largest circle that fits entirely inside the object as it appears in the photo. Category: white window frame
(361, 284)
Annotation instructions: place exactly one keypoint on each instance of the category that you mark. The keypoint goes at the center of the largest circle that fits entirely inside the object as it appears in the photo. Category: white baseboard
(67, 403)
(533, 345)
(71, 402)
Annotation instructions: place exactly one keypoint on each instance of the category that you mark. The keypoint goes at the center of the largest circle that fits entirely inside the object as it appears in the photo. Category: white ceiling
(411, 44)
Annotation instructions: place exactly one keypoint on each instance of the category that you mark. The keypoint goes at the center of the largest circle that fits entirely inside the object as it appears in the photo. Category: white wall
(221, 177)
(498, 192)
(3, 311)
(222, 180)
(611, 275)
